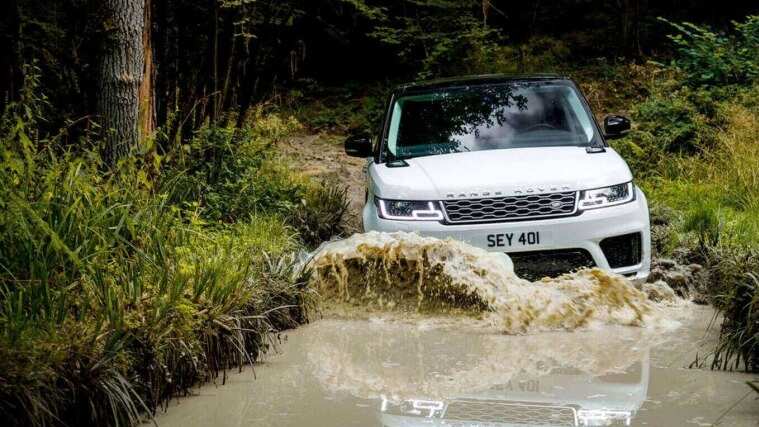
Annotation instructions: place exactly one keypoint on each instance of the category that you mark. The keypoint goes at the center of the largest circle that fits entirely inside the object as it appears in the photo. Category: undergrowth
(694, 151)
(120, 288)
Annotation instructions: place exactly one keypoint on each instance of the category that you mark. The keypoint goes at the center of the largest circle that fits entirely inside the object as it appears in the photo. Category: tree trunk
(147, 113)
(10, 66)
(121, 74)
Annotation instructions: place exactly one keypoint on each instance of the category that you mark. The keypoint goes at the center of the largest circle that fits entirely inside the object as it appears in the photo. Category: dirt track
(322, 157)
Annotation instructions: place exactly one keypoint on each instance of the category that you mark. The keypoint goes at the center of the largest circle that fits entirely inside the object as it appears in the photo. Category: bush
(671, 122)
(114, 294)
(320, 216)
(735, 275)
(708, 58)
(227, 174)
(694, 151)
(350, 107)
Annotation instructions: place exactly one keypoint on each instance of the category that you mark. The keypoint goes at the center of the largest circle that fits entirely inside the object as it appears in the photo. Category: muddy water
(389, 371)
(425, 332)
(408, 271)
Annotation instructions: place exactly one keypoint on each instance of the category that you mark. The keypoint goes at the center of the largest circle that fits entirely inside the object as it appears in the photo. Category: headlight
(413, 408)
(603, 417)
(408, 210)
(607, 196)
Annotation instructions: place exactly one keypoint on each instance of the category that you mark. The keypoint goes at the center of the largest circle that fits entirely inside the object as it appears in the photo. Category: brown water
(407, 271)
(424, 332)
(387, 371)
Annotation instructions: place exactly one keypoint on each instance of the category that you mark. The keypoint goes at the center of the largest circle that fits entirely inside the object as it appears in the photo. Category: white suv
(509, 164)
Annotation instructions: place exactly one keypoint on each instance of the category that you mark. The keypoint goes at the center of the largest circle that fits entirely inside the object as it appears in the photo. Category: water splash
(407, 271)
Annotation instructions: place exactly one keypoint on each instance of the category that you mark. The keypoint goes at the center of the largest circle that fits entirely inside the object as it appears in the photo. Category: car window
(488, 117)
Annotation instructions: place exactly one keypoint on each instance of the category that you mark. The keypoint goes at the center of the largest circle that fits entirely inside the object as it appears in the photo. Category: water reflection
(489, 117)
(554, 400)
(456, 372)
(439, 377)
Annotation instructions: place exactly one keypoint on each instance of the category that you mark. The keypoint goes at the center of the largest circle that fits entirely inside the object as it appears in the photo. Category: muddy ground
(322, 156)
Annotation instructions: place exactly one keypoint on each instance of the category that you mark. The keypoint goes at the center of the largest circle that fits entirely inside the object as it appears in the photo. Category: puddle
(386, 371)
(442, 334)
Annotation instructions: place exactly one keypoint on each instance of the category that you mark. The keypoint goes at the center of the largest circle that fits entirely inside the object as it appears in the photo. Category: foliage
(709, 58)
(227, 173)
(115, 293)
(230, 172)
(320, 214)
(664, 229)
(350, 107)
(671, 121)
(694, 147)
(736, 273)
(703, 220)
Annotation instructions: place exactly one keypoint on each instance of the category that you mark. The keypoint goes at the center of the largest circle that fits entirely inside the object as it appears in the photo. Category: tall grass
(736, 288)
(717, 194)
(117, 294)
(695, 149)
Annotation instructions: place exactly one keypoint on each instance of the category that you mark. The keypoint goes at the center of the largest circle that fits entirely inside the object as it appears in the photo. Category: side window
(579, 112)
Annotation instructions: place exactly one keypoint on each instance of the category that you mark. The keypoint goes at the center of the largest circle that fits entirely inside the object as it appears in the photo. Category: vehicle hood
(495, 173)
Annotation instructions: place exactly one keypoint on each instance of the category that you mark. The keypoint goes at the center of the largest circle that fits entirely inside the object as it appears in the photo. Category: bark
(10, 72)
(121, 75)
(147, 114)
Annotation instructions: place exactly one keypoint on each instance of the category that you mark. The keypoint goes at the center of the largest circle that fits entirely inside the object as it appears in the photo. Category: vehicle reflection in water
(557, 399)
(445, 378)
(457, 372)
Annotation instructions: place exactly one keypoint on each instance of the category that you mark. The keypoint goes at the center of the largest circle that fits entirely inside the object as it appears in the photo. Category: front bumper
(583, 231)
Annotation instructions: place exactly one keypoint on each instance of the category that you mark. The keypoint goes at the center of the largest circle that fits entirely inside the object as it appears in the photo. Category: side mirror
(616, 126)
(358, 146)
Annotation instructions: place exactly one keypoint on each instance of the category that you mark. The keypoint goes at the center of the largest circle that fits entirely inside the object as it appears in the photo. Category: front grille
(534, 265)
(511, 208)
(523, 414)
(622, 251)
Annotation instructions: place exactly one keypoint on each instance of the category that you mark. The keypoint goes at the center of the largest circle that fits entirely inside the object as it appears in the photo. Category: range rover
(515, 164)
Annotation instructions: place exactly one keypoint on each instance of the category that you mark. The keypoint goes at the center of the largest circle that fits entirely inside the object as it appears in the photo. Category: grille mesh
(534, 265)
(511, 208)
(499, 413)
(622, 251)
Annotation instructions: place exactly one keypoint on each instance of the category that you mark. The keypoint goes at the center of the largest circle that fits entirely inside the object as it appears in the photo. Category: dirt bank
(321, 156)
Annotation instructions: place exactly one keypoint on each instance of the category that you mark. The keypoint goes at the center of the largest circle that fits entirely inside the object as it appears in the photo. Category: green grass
(122, 288)
(699, 159)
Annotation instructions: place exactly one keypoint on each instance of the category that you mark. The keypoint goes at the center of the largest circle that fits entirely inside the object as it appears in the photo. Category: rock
(659, 291)
(686, 280)
(695, 268)
(677, 280)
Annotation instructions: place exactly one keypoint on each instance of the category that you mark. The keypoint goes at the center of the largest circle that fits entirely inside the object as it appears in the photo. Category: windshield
(489, 118)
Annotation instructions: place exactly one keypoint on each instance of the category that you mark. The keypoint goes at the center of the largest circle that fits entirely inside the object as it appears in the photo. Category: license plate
(515, 239)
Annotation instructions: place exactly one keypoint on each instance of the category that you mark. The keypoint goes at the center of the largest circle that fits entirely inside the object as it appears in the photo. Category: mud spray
(407, 272)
